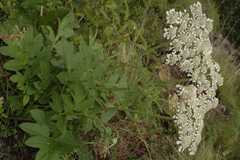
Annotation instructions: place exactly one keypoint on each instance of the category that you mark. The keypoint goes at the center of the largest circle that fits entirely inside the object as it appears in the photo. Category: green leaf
(87, 125)
(123, 82)
(44, 70)
(61, 123)
(31, 44)
(47, 154)
(57, 104)
(14, 65)
(66, 142)
(31, 3)
(19, 79)
(107, 116)
(35, 129)
(26, 99)
(66, 26)
(42, 154)
(64, 47)
(51, 34)
(68, 104)
(66, 50)
(12, 50)
(39, 116)
(37, 142)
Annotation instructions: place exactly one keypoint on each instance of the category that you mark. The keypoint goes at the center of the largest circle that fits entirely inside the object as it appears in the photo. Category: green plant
(51, 144)
(80, 72)
(72, 89)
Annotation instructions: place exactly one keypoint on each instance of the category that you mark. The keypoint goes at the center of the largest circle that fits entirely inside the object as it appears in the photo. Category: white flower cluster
(191, 50)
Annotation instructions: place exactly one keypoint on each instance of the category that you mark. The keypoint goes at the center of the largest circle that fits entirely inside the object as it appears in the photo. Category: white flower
(170, 33)
(174, 17)
(191, 52)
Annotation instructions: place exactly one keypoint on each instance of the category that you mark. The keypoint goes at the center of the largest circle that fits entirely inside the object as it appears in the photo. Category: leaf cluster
(72, 89)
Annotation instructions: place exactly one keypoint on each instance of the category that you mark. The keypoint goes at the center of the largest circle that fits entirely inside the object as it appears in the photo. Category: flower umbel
(191, 50)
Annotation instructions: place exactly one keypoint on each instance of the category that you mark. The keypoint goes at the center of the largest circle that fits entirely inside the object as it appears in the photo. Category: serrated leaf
(64, 47)
(35, 129)
(32, 44)
(65, 28)
(66, 50)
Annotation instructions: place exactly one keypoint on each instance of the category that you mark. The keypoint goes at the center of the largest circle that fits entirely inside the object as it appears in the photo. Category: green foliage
(77, 69)
(71, 89)
(29, 63)
(230, 96)
(50, 147)
(222, 130)
(114, 22)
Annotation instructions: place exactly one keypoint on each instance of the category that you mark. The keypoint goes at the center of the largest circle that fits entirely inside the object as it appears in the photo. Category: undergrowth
(87, 80)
